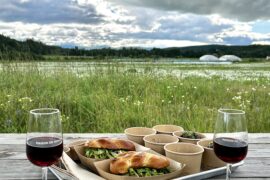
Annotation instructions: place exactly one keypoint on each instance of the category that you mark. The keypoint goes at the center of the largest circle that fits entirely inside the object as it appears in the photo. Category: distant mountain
(11, 49)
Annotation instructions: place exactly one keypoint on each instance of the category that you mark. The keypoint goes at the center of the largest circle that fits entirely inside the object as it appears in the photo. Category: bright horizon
(137, 23)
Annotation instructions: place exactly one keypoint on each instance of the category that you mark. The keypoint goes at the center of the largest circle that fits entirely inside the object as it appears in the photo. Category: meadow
(109, 97)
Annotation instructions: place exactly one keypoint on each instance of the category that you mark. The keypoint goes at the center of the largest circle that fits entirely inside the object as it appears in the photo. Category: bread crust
(132, 159)
(106, 143)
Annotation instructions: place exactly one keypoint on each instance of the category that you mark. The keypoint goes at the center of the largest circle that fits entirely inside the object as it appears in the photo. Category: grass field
(112, 97)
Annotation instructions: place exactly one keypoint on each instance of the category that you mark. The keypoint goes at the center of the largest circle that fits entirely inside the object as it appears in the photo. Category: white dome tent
(208, 58)
(231, 58)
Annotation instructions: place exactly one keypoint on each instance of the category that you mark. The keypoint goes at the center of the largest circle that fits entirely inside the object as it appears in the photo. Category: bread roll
(110, 144)
(132, 159)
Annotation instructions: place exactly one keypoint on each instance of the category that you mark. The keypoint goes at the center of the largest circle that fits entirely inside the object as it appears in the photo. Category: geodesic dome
(232, 58)
(208, 58)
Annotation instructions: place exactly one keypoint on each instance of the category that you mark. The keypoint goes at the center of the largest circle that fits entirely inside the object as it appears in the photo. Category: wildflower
(162, 101)
(181, 84)
(183, 96)
(235, 98)
(228, 89)
(172, 96)
(138, 103)
(253, 89)
(168, 87)
(239, 93)
(25, 99)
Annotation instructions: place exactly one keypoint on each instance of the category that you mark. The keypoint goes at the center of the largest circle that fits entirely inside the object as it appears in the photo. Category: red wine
(230, 150)
(44, 151)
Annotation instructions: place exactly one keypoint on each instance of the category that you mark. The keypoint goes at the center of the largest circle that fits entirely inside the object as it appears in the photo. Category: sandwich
(140, 164)
(107, 148)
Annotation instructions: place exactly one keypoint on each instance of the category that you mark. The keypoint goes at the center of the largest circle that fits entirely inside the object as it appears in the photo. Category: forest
(11, 49)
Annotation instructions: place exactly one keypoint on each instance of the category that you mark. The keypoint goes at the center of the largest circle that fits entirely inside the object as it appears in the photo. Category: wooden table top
(14, 164)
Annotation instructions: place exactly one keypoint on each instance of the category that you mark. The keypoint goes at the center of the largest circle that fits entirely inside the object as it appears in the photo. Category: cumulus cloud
(48, 11)
(103, 23)
(243, 10)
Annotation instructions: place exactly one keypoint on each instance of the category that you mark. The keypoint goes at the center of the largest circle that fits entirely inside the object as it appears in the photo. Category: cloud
(243, 10)
(103, 23)
(48, 11)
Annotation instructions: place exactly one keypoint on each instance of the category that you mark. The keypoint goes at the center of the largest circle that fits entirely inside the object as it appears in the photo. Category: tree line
(11, 49)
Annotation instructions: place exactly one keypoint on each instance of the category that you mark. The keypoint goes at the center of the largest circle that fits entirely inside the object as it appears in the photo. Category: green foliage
(110, 100)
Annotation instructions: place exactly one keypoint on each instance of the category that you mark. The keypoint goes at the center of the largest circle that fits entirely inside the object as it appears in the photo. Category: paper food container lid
(103, 168)
(89, 162)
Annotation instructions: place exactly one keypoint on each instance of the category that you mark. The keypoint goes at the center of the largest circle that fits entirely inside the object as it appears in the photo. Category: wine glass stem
(44, 173)
(228, 172)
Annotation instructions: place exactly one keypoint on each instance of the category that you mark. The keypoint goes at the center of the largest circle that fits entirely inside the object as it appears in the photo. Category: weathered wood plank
(20, 138)
(253, 167)
(20, 169)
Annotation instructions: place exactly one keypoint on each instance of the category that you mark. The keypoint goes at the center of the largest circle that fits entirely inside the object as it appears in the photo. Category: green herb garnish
(146, 172)
(102, 153)
(190, 135)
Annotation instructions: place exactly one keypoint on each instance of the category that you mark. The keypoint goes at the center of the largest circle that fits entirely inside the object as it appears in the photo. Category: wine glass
(44, 141)
(231, 137)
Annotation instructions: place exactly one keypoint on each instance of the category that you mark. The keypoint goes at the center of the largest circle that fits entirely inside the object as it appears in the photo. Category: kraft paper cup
(186, 153)
(157, 142)
(188, 140)
(209, 159)
(137, 134)
(167, 128)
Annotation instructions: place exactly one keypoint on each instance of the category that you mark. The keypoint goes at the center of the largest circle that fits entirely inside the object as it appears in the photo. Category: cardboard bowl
(136, 134)
(103, 168)
(157, 142)
(167, 128)
(89, 162)
(188, 140)
(187, 153)
(209, 159)
(72, 154)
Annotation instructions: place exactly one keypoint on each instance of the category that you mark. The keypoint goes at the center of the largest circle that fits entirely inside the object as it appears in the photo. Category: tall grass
(110, 101)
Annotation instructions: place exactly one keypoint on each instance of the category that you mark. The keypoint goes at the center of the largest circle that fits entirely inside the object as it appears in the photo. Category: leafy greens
(145, 172)
(102, 153)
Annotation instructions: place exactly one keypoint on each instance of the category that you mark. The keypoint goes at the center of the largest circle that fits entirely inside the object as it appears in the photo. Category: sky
(137, 23)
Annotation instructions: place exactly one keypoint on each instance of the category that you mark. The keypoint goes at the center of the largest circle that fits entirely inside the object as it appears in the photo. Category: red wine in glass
(44, 151)
(230, 150)
(230, 137)
(44, 140)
